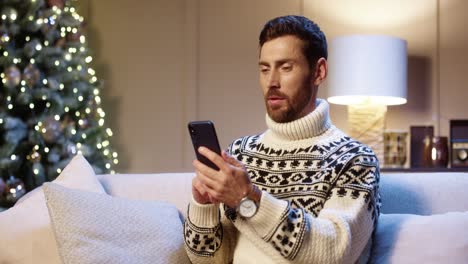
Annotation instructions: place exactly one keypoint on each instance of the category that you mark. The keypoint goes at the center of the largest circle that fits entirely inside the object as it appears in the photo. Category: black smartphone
(203, 133)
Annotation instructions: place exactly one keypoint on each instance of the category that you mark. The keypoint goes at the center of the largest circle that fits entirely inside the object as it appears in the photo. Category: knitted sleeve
(342, 229)
(207, 240)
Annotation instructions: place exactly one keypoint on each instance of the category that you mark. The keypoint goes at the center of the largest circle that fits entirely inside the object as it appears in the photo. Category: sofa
(137, 218)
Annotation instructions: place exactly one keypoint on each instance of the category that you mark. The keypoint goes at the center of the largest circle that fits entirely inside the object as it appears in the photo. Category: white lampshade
(367, 67)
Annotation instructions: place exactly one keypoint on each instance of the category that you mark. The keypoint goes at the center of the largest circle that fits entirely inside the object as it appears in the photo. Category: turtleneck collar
(311, 125)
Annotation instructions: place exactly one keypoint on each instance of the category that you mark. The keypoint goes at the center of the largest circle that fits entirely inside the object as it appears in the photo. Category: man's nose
(274, 79)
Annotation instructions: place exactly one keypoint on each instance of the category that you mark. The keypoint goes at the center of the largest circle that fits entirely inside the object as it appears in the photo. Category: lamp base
(367, 124)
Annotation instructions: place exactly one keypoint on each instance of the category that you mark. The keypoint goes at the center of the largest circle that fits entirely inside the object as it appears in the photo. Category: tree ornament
(70, 149)
(35, 156)
(58, 3)
(2, 186)
(53, 129)
(31, 75)
(54, 155)
(74, 37)
(13, 76)
(4, 37)
(53, 83)
(60, 43)
(83, 123)
(14, 189)
(30, 48)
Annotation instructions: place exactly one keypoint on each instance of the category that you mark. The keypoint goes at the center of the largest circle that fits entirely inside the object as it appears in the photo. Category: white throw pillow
(98, 228)
(26, 235)
(406, 238)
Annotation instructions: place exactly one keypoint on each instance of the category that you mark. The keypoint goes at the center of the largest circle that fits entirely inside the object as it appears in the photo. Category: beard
(294, 108)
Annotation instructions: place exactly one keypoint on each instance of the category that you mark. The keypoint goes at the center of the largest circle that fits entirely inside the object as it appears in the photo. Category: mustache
(276, 93)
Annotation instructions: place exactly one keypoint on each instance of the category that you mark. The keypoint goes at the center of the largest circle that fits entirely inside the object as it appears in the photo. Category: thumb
(231, 160)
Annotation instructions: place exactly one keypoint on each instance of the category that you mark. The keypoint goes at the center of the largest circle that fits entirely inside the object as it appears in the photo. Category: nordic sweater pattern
(320, 200)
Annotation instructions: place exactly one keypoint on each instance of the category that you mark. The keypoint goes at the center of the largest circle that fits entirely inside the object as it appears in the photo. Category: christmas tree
(49, 96)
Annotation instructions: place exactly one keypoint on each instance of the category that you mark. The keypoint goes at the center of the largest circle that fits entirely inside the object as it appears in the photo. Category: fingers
(213, 157)
(231, 160)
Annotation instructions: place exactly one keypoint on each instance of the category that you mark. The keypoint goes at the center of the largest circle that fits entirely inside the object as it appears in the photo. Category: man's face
(286, 79)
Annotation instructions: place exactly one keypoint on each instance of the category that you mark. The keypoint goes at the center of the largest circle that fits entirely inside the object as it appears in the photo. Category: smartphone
(203, 133)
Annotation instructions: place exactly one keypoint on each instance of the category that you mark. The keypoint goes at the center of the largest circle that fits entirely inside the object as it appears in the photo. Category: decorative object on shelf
(395, 149)
(436, 152)
(419, 136)
(14, 189)
(367, 73)
(459, 143)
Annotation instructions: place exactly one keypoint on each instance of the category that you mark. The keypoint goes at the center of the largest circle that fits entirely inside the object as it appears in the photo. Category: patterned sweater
(320, 199)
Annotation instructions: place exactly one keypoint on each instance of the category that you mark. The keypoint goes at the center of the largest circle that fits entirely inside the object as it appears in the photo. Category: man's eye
(264, 70)
(287, 68)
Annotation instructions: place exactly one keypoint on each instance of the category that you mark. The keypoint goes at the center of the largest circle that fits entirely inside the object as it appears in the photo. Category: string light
(57, 117)
(66, 109)
(83, 136)
(44, 81)
(1, 120)
(115, 154)
(88, 59)
(109, 132)
(46, 150)
(59, 170)
(101, 122)
(31, 105)
(13, 157)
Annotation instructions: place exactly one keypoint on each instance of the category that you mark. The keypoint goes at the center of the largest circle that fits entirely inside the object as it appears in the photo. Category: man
(302, 191)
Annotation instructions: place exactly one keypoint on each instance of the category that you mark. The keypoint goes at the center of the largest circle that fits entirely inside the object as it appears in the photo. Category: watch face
(247, 208)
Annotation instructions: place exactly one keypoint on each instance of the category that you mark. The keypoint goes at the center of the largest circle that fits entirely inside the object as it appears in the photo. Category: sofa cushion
(424, 193)
(150, 187)
(406, 238)
(26, 233)
(98, 228)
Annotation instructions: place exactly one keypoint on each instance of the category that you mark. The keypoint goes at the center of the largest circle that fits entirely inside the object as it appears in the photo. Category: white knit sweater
(320, 200)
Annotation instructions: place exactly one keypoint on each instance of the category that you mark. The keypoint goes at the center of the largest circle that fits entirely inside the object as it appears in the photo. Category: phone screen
(203, 133)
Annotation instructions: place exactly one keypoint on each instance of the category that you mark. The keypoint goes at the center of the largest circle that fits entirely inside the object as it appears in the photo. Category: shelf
(424, 169)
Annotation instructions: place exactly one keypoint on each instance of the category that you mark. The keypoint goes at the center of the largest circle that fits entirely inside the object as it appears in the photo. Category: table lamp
(367, 73)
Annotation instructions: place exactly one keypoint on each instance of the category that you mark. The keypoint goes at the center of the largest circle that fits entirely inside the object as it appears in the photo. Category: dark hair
(315, 43)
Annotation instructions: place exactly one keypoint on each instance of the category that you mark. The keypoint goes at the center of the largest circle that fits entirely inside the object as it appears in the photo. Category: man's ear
(321, 71)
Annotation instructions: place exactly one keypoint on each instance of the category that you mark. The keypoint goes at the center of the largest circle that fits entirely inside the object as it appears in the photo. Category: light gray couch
(424, 216)
(402, 235)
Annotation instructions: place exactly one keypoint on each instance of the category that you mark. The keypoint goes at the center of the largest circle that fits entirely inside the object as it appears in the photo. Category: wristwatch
(248, 206)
